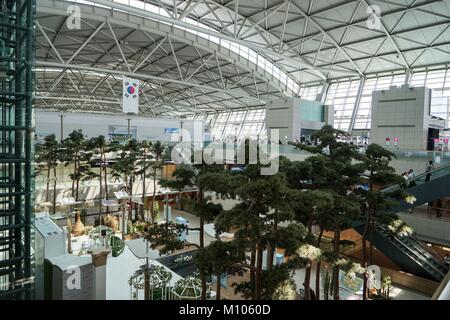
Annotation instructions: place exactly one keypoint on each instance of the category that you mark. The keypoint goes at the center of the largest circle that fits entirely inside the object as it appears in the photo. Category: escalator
(438, 187)
(408, 252)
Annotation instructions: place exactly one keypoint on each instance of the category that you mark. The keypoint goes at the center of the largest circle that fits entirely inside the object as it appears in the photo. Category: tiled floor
(422, 211)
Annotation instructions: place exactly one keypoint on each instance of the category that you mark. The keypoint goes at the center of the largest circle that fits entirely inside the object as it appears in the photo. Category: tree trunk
(371, 222)
(105, 176)
(202, 245)
(101, 193)
(77, 189)
(54, 190)
(270, 255)
(337, 237)
(77, 170)
(319, 262)
(73, 186)
(69, 235)
(307, 281)
(147, 285)
(48, 183)
(258, 275)
(131, 199)
(364, 254)
(372, 228)
(252, 270)
(218, 287)
(153, 197)
(202, 225)
(143, 181)
(143, 196)
(271, 250)
(127, 202)
(74, 177)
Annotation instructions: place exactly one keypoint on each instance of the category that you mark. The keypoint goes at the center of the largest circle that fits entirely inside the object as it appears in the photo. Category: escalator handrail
(428, 252)
(419, 177)
(410, 252)
(420, 259)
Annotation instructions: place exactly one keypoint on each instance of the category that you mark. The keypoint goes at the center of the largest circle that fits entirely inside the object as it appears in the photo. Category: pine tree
(76, 153)
(47, 156)
(157, 163)
(126, 167)
(100, 147)
(334, 168)
(217, 259)
(144, 162)
(205, 178)
(264, 203)
(379, 174)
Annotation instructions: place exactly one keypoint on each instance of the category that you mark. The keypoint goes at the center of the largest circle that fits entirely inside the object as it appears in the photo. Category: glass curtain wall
(342, 94)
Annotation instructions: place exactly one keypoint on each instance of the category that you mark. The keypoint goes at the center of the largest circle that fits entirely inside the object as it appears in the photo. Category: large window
(418, 79)
(219, 125)
(234, 124)
(433, 79)
(240, 123)
(342, 95)
(209, 118)
(310, 93)
(446, 89)
(254, 124)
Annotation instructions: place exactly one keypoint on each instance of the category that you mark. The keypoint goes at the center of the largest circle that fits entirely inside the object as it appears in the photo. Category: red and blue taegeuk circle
(131, 90)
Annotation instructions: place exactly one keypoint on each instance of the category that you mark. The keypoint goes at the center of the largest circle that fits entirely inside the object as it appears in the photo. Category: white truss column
(357, 101)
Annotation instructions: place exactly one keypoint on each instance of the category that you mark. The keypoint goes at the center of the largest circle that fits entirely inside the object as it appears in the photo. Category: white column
(99, 259)
(356, 106)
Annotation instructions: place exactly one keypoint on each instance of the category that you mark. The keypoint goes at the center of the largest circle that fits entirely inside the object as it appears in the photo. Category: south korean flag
(130, 95)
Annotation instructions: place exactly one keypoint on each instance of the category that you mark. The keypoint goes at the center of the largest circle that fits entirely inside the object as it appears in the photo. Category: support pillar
(99, 258)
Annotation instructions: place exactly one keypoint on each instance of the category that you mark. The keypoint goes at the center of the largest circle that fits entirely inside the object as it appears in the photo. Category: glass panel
(310, 93)
(342, 96)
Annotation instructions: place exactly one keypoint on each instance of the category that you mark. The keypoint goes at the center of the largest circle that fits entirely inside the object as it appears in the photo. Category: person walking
(447, 259)
(439, 208)
(411, 176)
(429, 168)
(429, 208)
(405, 176)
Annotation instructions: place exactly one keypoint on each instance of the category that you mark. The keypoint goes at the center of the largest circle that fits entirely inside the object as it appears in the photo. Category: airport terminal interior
(224, 150)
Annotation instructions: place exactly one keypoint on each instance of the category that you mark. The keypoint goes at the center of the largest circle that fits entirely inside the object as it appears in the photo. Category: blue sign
(279, 259)
(171, 130)
(182, 221)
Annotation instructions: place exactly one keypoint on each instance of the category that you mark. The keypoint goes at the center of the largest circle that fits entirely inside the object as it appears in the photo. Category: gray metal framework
(16, 149)
(313, 41)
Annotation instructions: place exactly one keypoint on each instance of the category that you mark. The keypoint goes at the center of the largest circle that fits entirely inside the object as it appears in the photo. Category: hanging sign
(130, 95)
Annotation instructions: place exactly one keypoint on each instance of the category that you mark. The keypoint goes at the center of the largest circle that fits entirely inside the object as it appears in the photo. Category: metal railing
(422, 178)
